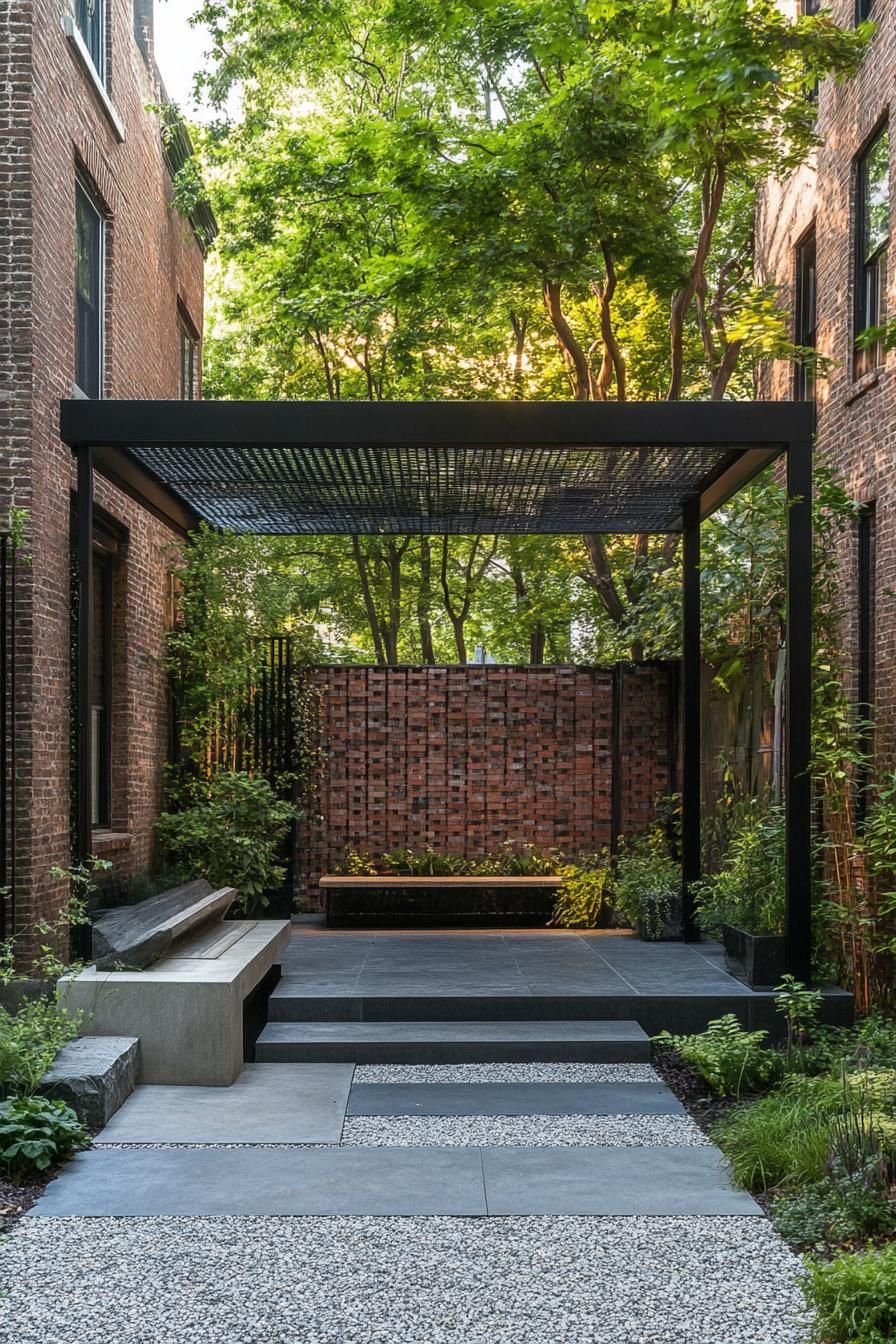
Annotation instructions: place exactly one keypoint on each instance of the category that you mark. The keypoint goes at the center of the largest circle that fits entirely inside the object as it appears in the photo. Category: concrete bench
(385, 901)
(187, 1008)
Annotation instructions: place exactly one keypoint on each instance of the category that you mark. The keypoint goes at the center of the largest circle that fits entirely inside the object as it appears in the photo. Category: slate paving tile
(512, 1099)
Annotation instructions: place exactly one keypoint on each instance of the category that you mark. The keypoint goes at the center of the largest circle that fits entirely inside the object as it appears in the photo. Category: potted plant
(648, 886)
(743, 903)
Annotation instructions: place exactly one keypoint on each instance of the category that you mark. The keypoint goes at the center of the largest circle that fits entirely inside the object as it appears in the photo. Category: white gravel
(505, 1073)
(399, 1281)
(536, 1131)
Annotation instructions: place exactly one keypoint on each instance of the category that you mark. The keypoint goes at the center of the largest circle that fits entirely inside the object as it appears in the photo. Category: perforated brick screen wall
(466, 758)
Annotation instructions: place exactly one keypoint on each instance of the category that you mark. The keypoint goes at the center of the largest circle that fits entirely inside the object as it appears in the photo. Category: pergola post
(691, 858)
(85, 652)
(798, 711)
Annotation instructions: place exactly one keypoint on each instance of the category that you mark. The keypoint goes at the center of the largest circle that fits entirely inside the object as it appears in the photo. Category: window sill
(104, 841)
(76, 42)
(861, 386)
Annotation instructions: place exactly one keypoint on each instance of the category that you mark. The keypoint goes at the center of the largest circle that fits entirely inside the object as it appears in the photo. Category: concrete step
(453, 1042)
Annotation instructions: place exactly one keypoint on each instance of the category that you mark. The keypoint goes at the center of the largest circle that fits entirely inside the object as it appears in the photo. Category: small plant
(854, 1297)
(584, 895)
(728, 1058)
(30, 1039)
(799, 1007)
(748, 890)
(36, 1134)
(231, 832)
(647, 884)
(53, 936)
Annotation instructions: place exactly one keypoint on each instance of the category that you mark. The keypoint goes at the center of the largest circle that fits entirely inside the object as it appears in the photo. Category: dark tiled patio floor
(323, 963)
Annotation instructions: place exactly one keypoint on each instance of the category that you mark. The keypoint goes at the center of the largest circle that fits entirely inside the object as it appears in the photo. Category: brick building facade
(466, 759)
(101, 283)
(822, 236)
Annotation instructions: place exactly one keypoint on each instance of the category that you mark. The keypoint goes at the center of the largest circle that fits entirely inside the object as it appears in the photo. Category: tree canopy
(510, 199)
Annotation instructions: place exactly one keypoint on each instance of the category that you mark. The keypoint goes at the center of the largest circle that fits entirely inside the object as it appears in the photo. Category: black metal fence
(8, 763)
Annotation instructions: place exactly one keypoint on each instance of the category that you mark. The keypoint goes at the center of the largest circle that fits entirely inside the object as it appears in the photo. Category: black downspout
(691, 857)
(798, 709)
(84, 841)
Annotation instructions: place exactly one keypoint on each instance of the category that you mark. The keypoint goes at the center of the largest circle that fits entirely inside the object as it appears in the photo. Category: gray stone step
(191, 1182)
(502, 1099)
(453, 1042)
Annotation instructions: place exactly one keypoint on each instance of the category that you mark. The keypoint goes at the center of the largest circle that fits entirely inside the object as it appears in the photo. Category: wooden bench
(388, 902)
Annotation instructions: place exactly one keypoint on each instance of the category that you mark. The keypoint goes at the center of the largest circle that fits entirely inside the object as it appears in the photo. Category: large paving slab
(608, 1181)
(512, 1099)
(204, 1182)
(445, 1041)
(379, 1181)
(269, 1103)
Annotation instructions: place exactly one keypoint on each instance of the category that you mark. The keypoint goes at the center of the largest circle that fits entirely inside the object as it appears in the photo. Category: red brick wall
(466, 758)
(856, 418)
(51, 121)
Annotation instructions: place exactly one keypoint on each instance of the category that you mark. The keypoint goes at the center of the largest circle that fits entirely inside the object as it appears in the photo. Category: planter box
(438, 901)
(758, 959)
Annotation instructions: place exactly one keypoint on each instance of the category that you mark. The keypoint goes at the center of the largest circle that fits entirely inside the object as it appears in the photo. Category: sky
(179, 49)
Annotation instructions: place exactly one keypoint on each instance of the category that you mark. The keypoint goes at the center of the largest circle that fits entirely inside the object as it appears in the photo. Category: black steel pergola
(470, 467)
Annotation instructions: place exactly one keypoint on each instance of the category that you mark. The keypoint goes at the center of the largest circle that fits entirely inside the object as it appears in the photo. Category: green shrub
(835, 1212)
(231, 831)
(30, 1039)
(529, 861)
(854, 1297)
(728, 1058)
(581, 901)
(783, 1140)
(748, 890)
(647, 883)
(37, 1133)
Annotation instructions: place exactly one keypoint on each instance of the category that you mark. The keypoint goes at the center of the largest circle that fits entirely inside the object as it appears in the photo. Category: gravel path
(399, 1281)
(529, 1131)
(506, 1073)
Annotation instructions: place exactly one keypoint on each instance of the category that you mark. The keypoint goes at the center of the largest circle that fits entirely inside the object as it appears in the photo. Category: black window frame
(189, 357)
(101, 708)
(92, 28)
(805, 312)
(90, 315)
(870, 283)
(864, 10)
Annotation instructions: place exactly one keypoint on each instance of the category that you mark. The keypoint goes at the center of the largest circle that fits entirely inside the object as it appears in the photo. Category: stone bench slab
(94, 1075)
(137, 935)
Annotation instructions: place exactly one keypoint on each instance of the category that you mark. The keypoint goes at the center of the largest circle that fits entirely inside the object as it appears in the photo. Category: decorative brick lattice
(466, 758)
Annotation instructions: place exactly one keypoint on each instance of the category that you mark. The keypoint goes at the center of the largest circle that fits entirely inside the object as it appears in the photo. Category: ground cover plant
(854, 1297)
(36, 1134)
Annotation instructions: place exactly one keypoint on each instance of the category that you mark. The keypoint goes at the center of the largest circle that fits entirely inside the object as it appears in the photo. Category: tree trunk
(519, 325)
(713, 195)
(424, 603)
(369, 604)
(575, 357)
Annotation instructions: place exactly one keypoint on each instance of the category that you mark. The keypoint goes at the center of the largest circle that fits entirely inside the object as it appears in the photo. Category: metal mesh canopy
(456, 467)
(402, 489)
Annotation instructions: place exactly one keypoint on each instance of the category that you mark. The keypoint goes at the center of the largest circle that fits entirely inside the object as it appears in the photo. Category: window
(90, 17)
(872, 240)
(804, 328)
(864, 10)
(810, 6)
(101, 688)
(89, 243)
(189, 350)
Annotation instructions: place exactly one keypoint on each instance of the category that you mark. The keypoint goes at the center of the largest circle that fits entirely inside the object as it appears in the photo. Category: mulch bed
(701, 1105)
(17, 1199)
